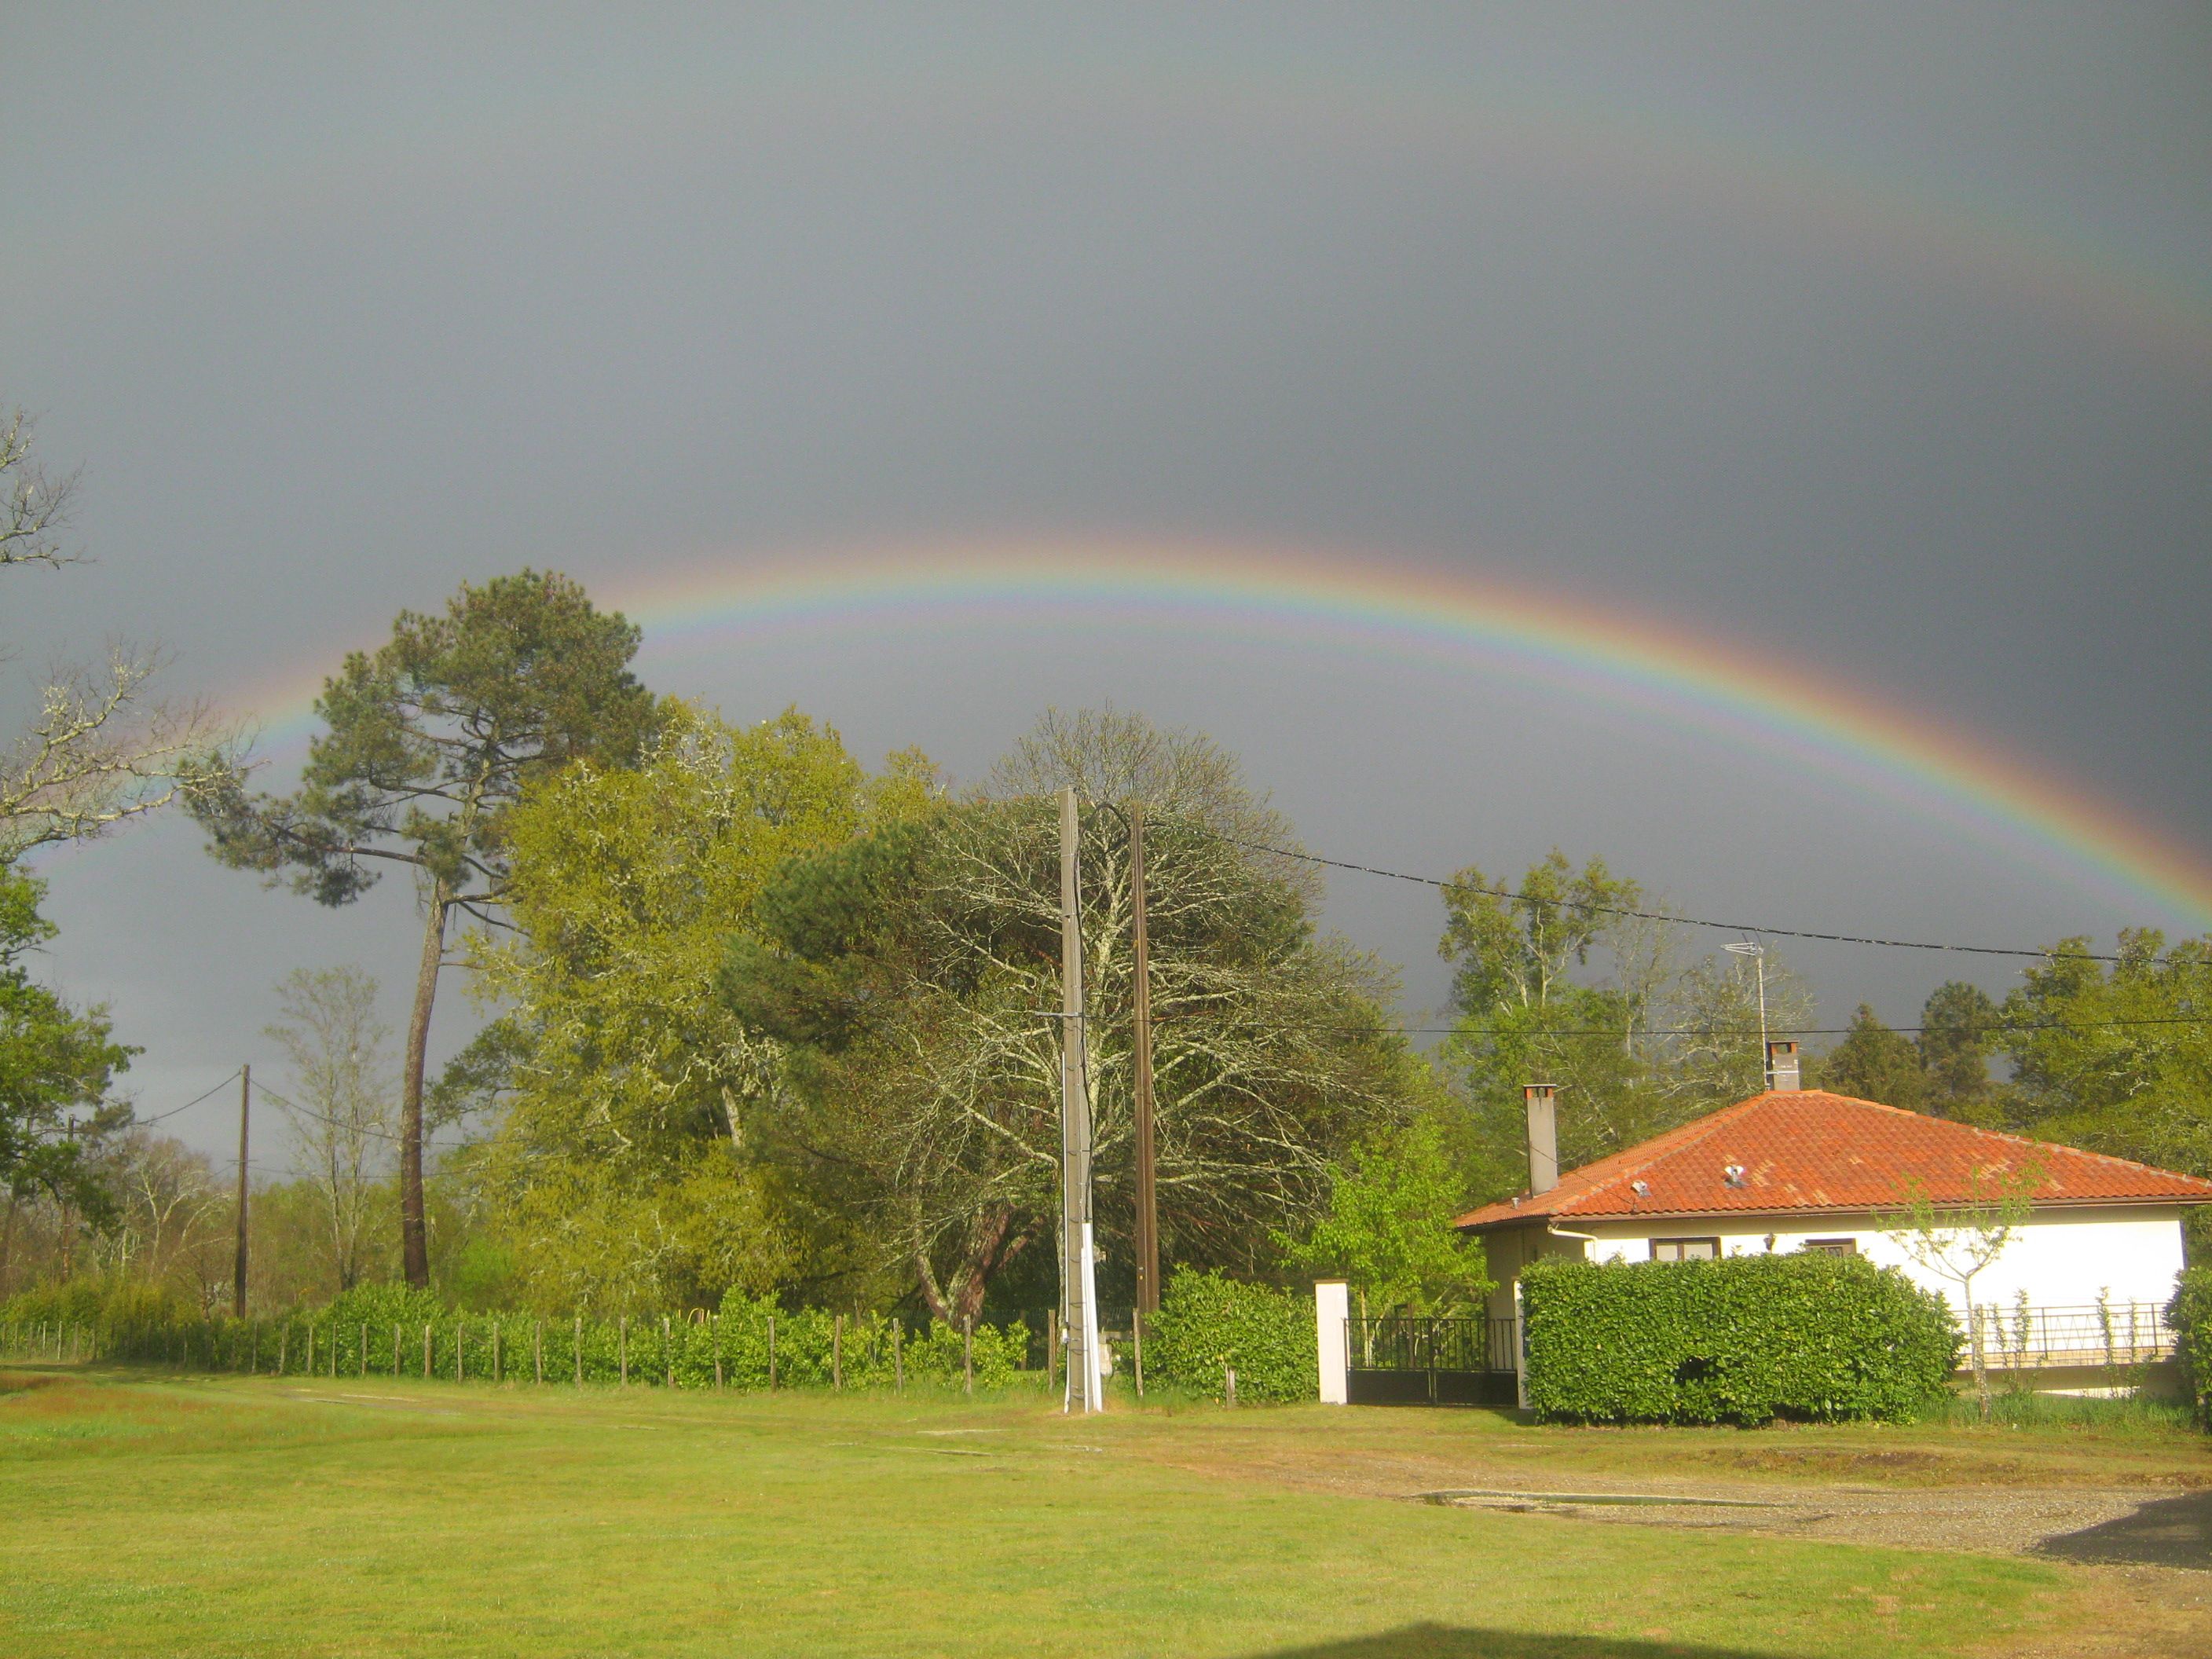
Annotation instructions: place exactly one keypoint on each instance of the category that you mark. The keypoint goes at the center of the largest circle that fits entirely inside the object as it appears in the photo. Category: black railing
(1408, 1360)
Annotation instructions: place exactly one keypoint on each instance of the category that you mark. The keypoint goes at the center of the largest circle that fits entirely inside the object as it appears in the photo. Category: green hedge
(2190, 1313)
(1744, 1340)
(386, 1330)
(1208, 1325)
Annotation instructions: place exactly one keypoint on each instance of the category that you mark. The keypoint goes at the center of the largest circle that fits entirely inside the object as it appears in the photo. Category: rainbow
(1384, 609)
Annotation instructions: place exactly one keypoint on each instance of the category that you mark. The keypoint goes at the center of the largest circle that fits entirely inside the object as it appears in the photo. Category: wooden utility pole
(1148, 1216)
(238, 1275)
(1079, 1278)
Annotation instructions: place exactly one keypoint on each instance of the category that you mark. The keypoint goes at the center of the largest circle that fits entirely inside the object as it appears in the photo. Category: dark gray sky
(1878, 340)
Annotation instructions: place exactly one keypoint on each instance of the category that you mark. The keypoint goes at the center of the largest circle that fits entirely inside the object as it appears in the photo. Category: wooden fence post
(308, 1369)
(395, 1352)
(898, 1358)
(579, 1350)
(621, 1346)
(967, 1352)
(460, 1349)
(364, 1347)
(538, 1349)
(334, 1351)
(426, 1351)
(771, 1353)
(714, 1333)
(1137, 1348)
(1051, 1350)
(837, 1352)
(1228, 1385)
(283, 1345)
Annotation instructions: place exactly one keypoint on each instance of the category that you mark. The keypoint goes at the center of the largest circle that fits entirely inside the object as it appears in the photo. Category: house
(2082, 1284)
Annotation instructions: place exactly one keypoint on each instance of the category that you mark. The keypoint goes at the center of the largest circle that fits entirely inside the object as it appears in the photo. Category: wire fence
(748, 1348)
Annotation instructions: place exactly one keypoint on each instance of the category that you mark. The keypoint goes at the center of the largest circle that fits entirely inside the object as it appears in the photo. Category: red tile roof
(1809, 1149)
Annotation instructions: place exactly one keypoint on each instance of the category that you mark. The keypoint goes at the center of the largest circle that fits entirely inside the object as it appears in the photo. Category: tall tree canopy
(622, 1174)
(1552, 982)
(908, 974)
(427, 744)
(2117, 1057)
(1873, 1063)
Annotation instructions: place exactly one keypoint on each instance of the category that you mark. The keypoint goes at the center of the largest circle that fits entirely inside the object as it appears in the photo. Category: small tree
(342, 1124)
(1958, 1241)
(1389, 1230)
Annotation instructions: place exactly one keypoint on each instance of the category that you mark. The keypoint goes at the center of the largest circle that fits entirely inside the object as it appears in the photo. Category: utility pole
(245, 1096)
(1758, 954)
(1078, 1278)
(1148, 1215)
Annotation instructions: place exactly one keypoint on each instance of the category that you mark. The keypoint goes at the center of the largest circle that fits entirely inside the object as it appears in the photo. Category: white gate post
(1520, 1351)
(1332, 1311)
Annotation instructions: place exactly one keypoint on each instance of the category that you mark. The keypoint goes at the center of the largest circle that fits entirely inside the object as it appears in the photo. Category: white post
(1332, 1315)
(1520, 1350)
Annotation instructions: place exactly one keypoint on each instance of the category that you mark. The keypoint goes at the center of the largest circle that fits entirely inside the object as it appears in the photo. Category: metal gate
(1406, 1361)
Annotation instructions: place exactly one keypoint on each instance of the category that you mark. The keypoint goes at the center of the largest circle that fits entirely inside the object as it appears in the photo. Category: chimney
(1542, 1101)
(1782, 1067)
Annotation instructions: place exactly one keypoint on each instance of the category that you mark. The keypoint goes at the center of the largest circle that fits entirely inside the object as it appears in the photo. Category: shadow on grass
(1455, 1642)
(2167, 1532)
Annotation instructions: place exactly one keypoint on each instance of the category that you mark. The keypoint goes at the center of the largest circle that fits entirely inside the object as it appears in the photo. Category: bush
(1744, 1340)
(1207, 1324)
(2190, 1313)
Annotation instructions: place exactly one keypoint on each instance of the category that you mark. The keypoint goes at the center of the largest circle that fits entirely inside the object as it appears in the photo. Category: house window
(1685, 1249)
(1832, 1246)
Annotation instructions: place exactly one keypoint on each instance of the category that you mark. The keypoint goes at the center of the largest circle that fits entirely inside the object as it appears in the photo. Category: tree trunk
(1981, 1360)
(414, 1236)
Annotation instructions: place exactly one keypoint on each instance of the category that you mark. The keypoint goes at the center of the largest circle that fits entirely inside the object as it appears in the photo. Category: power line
(188, 1105)
(357, 1128)
(1619, 1032)
(1441, 881)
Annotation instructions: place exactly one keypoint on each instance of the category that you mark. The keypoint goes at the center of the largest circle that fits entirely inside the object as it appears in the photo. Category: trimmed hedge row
(1744, 1340)
(1208, 1326)
(2190, 1313)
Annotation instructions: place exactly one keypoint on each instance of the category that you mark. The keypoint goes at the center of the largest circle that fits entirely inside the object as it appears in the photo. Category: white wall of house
(2061, 1257)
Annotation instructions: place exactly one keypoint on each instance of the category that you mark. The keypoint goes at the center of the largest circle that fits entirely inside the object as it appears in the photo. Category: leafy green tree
(57, 1066)
(1957, 1034)
(2117, 1057)
(1389, 1228)
(906, 971)
(427, 746)
(625, 1171)
(1873, 1063)
(1524, 1017)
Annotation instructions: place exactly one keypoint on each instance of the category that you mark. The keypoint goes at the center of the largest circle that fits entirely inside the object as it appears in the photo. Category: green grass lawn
(148, 1515)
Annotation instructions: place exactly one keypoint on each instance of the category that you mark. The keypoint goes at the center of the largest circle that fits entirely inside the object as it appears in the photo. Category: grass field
(151, 1514)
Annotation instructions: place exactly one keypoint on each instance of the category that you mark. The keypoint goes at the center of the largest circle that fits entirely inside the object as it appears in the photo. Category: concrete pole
(1077, 1277)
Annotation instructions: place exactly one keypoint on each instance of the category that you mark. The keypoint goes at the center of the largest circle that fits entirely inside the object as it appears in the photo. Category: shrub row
(2190, 1313)
(1208, 1326)
(1744, 1340)
(385, 1330)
